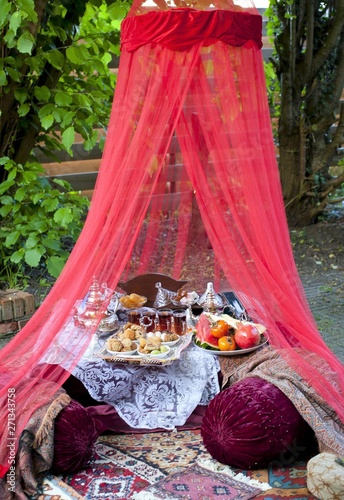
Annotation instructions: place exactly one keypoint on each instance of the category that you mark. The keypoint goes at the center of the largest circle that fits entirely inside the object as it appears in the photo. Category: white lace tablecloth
(153, 396)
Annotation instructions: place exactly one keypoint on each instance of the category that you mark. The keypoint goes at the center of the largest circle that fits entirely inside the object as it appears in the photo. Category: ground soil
(319, 256)
(319, 248)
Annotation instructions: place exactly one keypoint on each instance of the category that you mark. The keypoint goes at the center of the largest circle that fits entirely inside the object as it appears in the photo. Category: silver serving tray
(136, 359)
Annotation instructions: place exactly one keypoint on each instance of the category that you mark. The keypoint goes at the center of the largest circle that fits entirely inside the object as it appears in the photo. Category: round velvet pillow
(251, 424)
(75, 436)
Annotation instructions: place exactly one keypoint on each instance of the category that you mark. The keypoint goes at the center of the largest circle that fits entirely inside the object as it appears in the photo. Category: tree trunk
(309, 42)
(292, 154)
(299, 202)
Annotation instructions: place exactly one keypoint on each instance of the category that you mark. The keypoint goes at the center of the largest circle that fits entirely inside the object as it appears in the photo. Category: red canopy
(188, 173)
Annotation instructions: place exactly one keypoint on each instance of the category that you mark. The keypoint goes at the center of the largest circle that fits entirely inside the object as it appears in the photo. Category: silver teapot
(210, 300)
(91, 310)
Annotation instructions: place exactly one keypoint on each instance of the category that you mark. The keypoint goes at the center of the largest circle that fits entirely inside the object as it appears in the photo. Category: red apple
(246, 336)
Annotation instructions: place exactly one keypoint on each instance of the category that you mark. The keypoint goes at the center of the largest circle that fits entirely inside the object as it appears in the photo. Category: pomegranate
(246, 336)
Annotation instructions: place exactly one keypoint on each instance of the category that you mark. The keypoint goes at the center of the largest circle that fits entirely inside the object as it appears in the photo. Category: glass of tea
(148, 319)
(179, 321)
(134, 316)
(164, 319)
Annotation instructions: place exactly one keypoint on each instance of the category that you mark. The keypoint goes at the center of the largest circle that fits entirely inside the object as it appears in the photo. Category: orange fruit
(220, 329)
(217, 332)
(223, 325)
(227, 343)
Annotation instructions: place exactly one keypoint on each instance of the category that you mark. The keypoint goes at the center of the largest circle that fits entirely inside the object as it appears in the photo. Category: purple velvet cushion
(75, 435)
(251, 424)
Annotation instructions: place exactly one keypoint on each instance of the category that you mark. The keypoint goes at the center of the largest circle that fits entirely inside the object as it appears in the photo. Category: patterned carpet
(126, 464)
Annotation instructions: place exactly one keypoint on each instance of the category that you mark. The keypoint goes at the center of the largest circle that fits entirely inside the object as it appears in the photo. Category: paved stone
(5, 338)
(325, 294)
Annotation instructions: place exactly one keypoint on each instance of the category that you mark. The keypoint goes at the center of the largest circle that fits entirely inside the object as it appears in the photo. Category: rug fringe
(215, 466)
(142, 495)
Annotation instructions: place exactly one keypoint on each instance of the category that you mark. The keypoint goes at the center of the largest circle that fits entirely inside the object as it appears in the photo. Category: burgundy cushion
(75, 436)
(251, 424)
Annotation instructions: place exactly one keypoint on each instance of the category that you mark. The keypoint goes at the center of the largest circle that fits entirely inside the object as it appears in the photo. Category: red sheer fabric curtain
(226, 156)
(238, 192)
(188, 185)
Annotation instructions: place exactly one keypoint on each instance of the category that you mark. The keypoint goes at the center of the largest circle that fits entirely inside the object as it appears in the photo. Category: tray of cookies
(132, 345)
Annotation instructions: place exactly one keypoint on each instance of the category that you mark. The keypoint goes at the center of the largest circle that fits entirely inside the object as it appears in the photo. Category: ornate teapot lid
(95, 296)
(210, 300)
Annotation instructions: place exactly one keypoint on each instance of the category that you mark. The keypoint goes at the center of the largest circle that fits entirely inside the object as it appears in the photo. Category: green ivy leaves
(36, 217)
(55, 70)
(25, 43)
(58, 68)
(78, 54)
(68, 138)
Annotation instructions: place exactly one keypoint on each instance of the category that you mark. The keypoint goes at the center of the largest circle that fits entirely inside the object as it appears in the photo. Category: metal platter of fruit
(222, 335)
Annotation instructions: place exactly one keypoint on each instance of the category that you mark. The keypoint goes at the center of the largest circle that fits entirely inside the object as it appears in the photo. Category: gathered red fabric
(183, 28)
(188, 186)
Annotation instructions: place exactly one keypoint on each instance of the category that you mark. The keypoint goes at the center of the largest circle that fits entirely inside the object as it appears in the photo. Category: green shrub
(37, 216)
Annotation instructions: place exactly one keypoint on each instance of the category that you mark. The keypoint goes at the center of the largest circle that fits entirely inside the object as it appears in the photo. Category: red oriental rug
(126, 464)
(198, 482)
